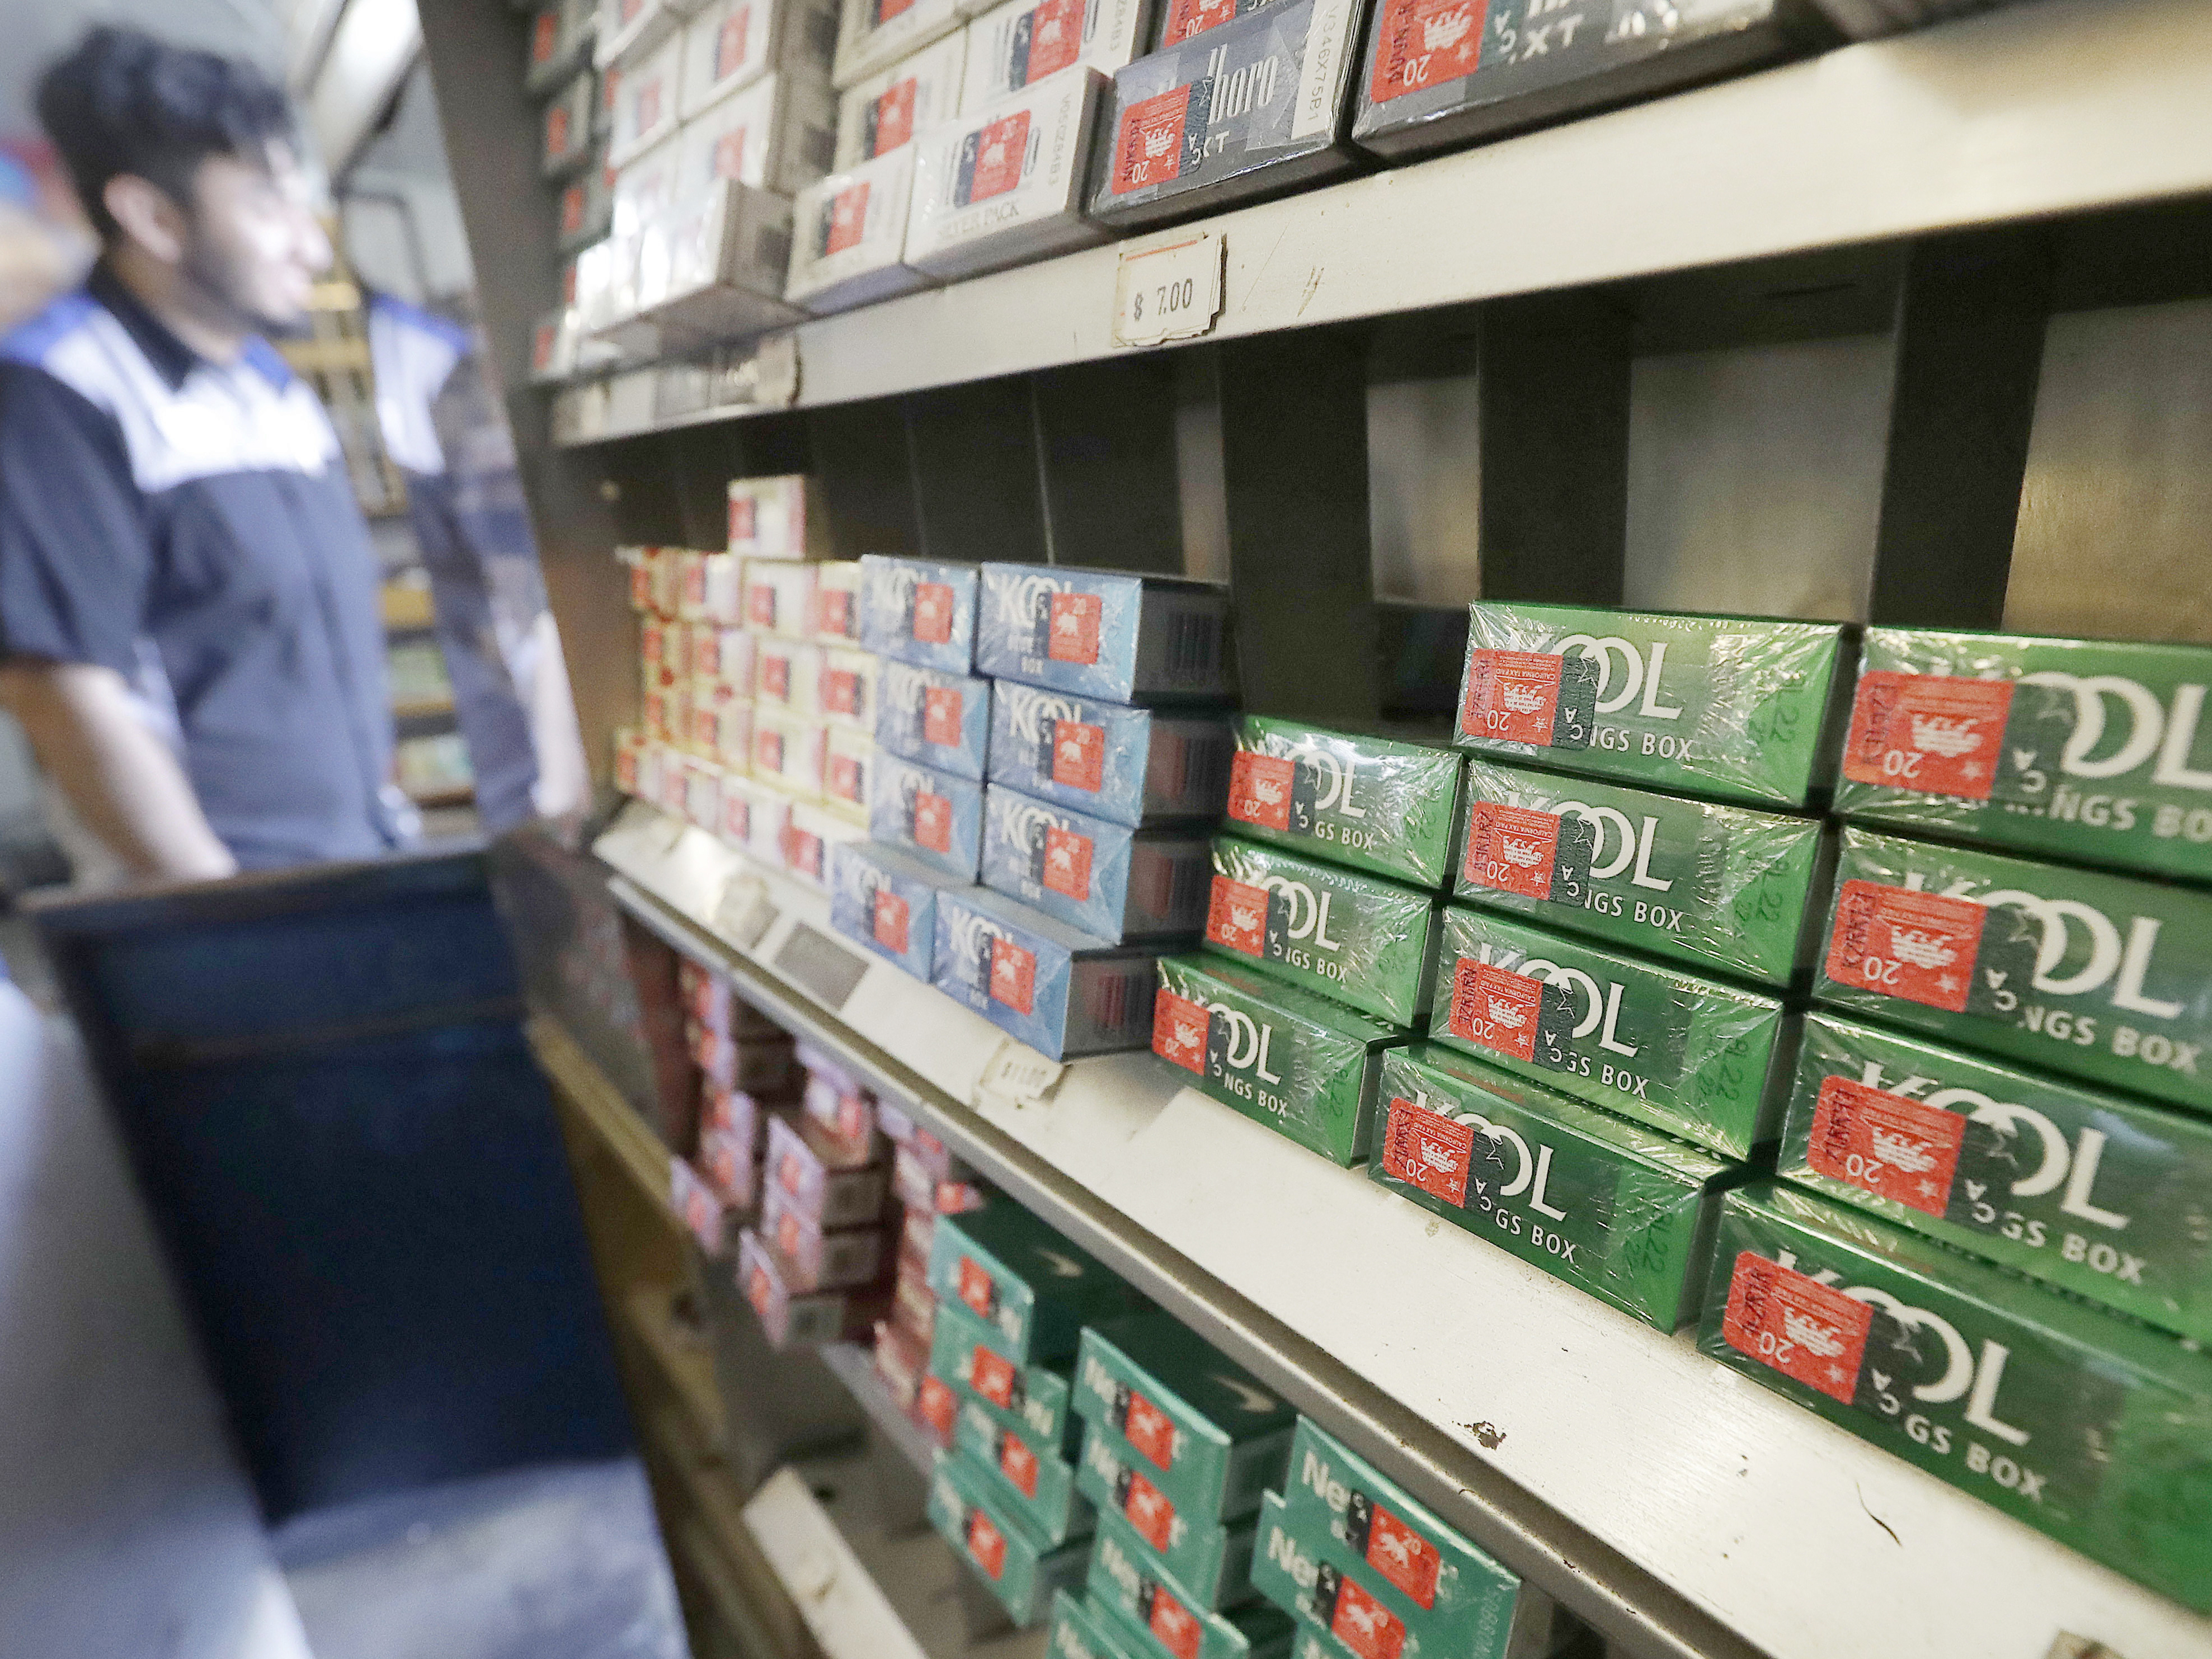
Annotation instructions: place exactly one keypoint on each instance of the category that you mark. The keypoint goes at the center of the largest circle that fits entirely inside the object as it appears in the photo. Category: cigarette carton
(792, 1317)
(798, 1163)
(779, 597)
(836, 603)
(584, 218)
(938, 720)
(817, 1258)
(1436, 75)
(567, 142)
(1105, 634)
(728, 44)
(1256, 106)
(886, 903)
(780, 517)
(1356, 938)
(1064, 993)
(848, 758)
(1209, 1438)
(755, 818)
(1373, 803)
(644, 102)
(2089, 1428)
(1030, 1288)
(775, 135)
(1078, 1632)
(789, 752)
(1324, 1586)
(920, 611)
(2100, 1195)
(1016, 45)
(878, 115)
(1105, 879)
(1740, 707)
(1003, 183)
(723, 652)
(1039, 1490)
(1212, 1560)
(1031, 1400)
(1335, 1493)
(1023, 1569)
(1303, 1065)
(1702, 1060)
(849, 229)
(560, 37)
(721, 725)
(2099, 976)
(929, 816)
(1719, 887)
(1608, 1206)
(1143, 1604)
(845, 695)
(787, 677)
(714, 260)
(874, 34)
(2077, 748)
(807, 839)
(1132, 766)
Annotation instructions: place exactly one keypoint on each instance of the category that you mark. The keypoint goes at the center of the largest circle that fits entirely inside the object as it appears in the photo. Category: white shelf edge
(848, 1615)
(1672, 1503)
(2056, 108)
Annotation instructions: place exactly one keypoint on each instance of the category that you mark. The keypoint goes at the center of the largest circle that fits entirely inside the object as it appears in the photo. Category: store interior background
(1755, 484)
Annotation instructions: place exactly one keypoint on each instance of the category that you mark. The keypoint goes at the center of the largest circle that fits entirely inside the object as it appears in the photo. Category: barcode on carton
(1194, 645)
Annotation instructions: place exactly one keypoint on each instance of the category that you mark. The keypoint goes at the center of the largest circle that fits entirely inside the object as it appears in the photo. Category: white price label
(1019, 1072)
(1169, 291)
(745, 911)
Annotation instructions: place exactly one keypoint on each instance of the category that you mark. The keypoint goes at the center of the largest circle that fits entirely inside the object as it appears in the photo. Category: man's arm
(123, 781)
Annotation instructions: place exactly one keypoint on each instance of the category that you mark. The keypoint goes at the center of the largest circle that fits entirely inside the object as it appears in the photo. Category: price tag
(745, 912)
(1019, 1072)
(1169, 291)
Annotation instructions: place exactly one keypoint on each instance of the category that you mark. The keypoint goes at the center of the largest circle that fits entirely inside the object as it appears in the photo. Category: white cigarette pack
(1004, 183)
(878, 115)
(1022, 42)
(732, 43)
(848, 234)
(873, 34)
(776, 134)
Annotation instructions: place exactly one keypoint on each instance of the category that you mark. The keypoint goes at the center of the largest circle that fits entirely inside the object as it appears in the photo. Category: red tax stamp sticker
(1424, 43)
(1018, 1464)
(893, 117)
(1903, 1150)
(1055, 40)
(848, 218)
(1078, 756)
(1259, 789)
(933, 821)
(1511, 849)
(1899, 943)
(987, 1543)
(1151, 1430)
(934, 1404)
(1074, 633)
(1427, 1150)
(991, 1374)
(932, 613)
(891, 921)
(840, 690)
(1364, 1624)
(976, 1288)
(1013, 975)
(1177, 1629)
(1067, 863)
(1937, 734)
(1512, 695)
(1796, 1325)
(1000, 149)
(940, 715)
(1149, 1511)
(1496, 1008)
(1149, 149)
(1237, 916)
(1188, 17)
(1403, 1555)
(1180, 1027)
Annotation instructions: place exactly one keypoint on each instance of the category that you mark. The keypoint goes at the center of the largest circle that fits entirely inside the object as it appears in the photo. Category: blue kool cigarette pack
(1063, 993)
(919, 611)
(929, 816)
(1106, 633)
(1102, 878)
(937, 719)
(1130, 766)
(885, 902)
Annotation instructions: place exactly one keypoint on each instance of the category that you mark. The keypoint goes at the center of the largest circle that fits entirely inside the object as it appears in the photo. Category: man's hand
(123, 781)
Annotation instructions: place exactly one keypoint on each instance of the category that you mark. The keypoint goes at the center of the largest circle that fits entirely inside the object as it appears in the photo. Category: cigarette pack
(2100, 1195)
(1077, 1633)
(1003, 182)
(848, 758)
(560, 41)
(722, 652)
(920, 611)
(1608, 1206)
(1132, 766)
(1158, 1618)
(789, 753)
(1031, 1289)
(2099, 976)
(1064, 993)
(846, 694)
(1374, 803)
(848, 231)
(886, 902)
(1741, 708)
(1353, 937)
(775, 135)
(929, 816)
(714, 261)
(878, 115)
(1200, 1429)
(807, 839)
(938, 720)
(645, 108)
(583, 216)
(779, 597)
(1256, 106)
(816, 1258)
(1718, 887)
(1210, 1558)
(874, 34)
(800, 1161)
(728, 44)
(1303, 1065)
(1696, 1057)
(1439, 73)
(1102, 878)
(1106, 633)
(793, 1317)
(1031, 1400)
(1038, 1487)
(777, 517)
(787, 677)
(1017, 45)
(1023, 1569)
(2089, 1428)
(567, 138)
(1332, 1594)
(2080, 749)
(837, 603)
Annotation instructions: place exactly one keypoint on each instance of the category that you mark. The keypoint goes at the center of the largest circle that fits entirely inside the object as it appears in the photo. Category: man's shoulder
(33, 342)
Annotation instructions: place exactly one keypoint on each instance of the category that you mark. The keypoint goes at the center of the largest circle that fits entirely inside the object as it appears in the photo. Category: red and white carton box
(761, 1067)
(767, 817)
(1015, 46)
(1005, 182)
(836, 603)
(721, 725)
(872, 36)
(878, 115)
(848, 235)
(723, 652)
(834, 1197)
(629, 757)
(775, 135)
(843, 1112)
(845, 690)
(779, 597)
(849, 761)
(648, 102)
(902, 1362)
(702, 793)
(777, 517)
(807, 841)
(690, 582)
(723, 600)
(787, 677)
(820, 1258)
(789, 753)
(729, 44)
(794, 1317)
(728, 1161)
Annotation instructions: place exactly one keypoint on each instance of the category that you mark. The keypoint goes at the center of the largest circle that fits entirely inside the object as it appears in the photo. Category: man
(189, 625)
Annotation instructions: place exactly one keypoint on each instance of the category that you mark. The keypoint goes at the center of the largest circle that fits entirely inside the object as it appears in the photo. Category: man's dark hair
(125, 102)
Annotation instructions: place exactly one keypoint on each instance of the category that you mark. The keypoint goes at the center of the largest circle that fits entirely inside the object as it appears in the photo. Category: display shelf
(855, 1367)
(1674, 1505)
(2064, 106)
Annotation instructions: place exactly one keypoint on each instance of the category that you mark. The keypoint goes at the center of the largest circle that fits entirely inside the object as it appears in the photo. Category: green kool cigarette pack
(1742, 707)
(1141, 1602)
(1376, 804)
(1031, 1289)
(1031, 1400)
(1299, 1063)
(1022, 1570)
(1608, 1206)
(2104, 977)
(1210, 1437)
(1212, 1560)
(2087, 1427)
(2097, 1192)
(1718, 887)
(1697, 1058)
(1038, 1488)
(1356, 938)
(1332, 1491)
(2079, 748)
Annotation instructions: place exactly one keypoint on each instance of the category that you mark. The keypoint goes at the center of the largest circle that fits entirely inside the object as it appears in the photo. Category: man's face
(253, 245)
